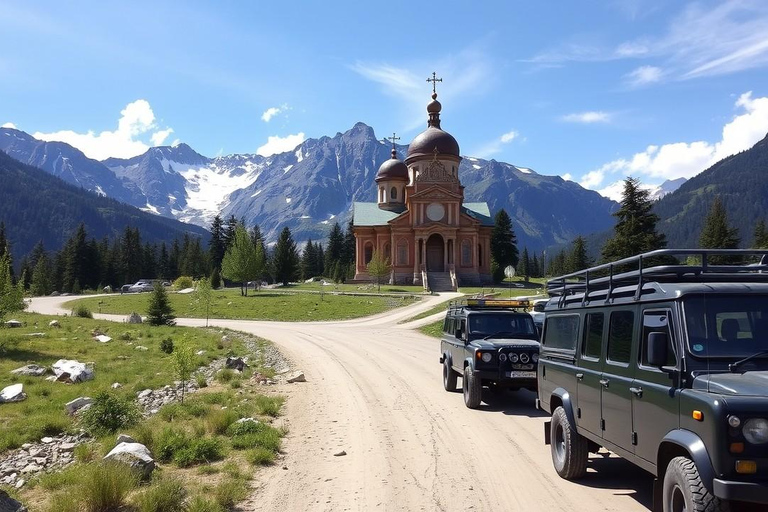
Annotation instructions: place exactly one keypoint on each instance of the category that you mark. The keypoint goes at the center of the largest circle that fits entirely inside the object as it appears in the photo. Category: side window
(446, 323)
(593, 335)
(620, 336)
(561, 332)
(657, 321)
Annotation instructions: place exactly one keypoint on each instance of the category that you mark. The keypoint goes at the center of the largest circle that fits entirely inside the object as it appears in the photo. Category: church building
(420, 220)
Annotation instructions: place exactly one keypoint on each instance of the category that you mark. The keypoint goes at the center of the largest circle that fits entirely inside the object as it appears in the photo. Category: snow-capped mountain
(314, 185)
(665, 188)
(615, 190)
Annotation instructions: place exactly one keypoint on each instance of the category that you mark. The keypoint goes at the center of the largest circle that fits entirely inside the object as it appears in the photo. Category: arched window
(368, 252)
(381, 194)
(466, 253)
(393, 193)
(402, 252)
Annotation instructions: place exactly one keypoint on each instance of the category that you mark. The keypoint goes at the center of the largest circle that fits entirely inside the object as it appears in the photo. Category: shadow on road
(511, 403)
(625, 478)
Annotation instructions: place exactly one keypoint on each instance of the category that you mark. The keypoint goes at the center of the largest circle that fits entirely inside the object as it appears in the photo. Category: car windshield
(727, 325)
(510, 325)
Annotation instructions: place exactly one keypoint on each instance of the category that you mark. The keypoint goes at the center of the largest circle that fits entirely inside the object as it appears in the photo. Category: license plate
(522, 375)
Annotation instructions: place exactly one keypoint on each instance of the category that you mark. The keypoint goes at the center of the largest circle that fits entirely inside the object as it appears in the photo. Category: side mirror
(657, 348)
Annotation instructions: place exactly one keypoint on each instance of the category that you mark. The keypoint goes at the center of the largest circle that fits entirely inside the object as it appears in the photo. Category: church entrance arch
(435, 253)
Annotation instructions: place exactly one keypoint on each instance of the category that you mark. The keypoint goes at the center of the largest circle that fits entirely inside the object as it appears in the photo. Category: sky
(591, 91)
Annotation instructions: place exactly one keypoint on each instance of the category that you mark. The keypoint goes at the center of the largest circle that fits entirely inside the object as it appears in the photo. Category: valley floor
(374, 392)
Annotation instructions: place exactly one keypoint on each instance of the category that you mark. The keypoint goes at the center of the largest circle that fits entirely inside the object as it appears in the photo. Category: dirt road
(374, 391)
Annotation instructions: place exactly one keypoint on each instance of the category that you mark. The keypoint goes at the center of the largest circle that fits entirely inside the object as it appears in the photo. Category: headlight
(756, 431)
(502, 357)
(535, 358)
(734, 421)
(487, 357)
(513, 358)
(524, 358)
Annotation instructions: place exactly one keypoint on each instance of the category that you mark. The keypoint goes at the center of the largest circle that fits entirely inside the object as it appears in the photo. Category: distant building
(421, 221)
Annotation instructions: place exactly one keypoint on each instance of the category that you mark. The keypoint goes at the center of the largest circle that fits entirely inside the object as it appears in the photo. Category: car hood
(744, 384)
(496, 343)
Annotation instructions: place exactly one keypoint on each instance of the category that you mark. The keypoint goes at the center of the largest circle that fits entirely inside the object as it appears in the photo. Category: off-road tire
(472, 387)
(570, 450)
(449, 376)
(684, 490)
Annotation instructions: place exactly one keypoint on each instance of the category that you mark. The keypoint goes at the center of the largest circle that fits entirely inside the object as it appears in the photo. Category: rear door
(589, 373)
(617, 378)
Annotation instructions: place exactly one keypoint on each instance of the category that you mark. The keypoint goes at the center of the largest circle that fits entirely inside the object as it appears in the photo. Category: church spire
(434, 106)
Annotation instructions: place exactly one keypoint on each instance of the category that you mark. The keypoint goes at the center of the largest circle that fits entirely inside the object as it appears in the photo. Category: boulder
(13, 323)
(116, 385)
(73, 371)
(12, 393)
(103, 338)
(78, 403)
(8, 504)
(145, 393)
(54, 323)
(107, 289)
(141, 347)
(125, 438)
(133, 318)
(297, 376)
(135, 455)
(235, 363)
(33, 370)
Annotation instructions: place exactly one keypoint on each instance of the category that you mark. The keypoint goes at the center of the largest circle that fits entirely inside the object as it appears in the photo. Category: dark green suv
(488, 342)
(666, 365)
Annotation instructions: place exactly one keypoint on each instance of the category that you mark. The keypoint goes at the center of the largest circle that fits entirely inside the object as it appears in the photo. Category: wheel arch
(684, 443)
(561, 398)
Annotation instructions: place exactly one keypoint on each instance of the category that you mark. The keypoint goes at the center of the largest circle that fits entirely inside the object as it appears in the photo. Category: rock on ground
(297, 376)
(72, 371)
(134, 454)
(133, 318)
(33, 370)
(8, 504)
(12, 393)
(78, 403)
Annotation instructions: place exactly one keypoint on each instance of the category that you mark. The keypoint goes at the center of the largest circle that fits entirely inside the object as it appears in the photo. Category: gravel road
(374, 391)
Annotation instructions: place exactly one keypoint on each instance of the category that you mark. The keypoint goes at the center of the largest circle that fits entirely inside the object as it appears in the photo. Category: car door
(458, 348)
(589, 373)
(655, 409)
(617, 378)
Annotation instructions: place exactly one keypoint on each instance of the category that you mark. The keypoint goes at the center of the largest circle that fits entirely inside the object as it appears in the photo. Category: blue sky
(592, 91)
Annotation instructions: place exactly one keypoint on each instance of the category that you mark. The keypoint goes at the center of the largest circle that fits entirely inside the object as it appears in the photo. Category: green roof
(369, 214)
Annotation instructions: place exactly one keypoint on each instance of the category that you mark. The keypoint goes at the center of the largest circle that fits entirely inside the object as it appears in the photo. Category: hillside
(740, 180)
(35, 205)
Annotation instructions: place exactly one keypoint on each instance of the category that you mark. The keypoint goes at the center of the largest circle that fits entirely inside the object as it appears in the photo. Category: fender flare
(565, 398)
(469, 362)
(693, 444)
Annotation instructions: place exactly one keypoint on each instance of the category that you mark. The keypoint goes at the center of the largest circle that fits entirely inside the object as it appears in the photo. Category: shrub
(260, 456)
(81, 311)
(183, 365)
(170, 441)
(108, 414)
(245, 427)
(201, 504)
(126, 336)
(268, 439)
(268, 405)
(165, 495)
(219, 420)
(229, 492)
(105, 486)
(167, 345)
(172, 411)
(85, 452)
(201, 381)
(144, 433)
(225, 375)
(183, 282)
(236, 384)
(207, 449)
(160, 311)
(67, 477)
(63, 502)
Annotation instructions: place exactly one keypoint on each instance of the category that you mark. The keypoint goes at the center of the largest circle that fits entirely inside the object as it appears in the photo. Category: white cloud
(8, 125)
(644, 75)
(687, 159)
(509, 137)
(631, 49)
(272, 112)
(137, 120)
(276, 144)
(588, 117)
(495, 145)
(567, 177)
(159, 137)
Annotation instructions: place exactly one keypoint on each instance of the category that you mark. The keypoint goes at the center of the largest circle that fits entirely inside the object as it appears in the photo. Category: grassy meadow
(262, 305)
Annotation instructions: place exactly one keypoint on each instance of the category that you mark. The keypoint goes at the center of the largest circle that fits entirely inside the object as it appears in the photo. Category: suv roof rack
(609, 276)
(488, 304)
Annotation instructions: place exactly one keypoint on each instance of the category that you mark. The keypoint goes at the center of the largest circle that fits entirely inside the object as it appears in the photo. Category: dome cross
(434, 81)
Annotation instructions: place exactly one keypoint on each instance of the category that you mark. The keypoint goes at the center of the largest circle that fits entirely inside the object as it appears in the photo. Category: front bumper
(753, 492)
(501, 379)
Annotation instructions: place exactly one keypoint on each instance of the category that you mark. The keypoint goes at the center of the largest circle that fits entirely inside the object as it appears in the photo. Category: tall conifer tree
(503, 244)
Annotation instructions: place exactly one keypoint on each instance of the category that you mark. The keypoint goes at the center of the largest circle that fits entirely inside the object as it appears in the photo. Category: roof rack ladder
(610, 284)
(639, 290)
(585, 299)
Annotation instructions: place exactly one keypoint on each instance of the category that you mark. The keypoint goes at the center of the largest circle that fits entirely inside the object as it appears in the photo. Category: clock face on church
(435, 212)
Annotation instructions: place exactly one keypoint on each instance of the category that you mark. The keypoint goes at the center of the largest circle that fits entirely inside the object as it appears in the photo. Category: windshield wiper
(497, 334)
(733, 366)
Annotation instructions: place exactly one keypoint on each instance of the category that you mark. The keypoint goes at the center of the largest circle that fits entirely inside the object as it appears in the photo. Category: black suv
(666, 365)
(488, 342)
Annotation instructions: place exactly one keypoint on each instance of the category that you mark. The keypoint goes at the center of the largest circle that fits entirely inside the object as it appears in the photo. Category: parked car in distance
(143, 285)
(667, 367)
(488, 343)
(537, 313)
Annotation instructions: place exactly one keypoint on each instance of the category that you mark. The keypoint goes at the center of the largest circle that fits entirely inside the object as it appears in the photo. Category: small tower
(391, 181)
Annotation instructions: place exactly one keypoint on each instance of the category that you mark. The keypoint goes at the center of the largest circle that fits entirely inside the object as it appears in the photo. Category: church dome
(392, 169)
(433, 139)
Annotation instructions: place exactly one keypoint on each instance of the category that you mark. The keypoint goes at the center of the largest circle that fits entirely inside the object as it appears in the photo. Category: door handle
(604, 382)
(580, 376)
(637, 391)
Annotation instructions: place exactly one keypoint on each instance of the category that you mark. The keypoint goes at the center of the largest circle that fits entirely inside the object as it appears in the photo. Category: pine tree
(242, 262)
(635, 232)
(215, 279)
(535, 266)
(41, 277)
(524, 268)
(577, 259)
(229, 231)
(334, 249)
(4, 249)
(348, 252)
(308, 261)
(760, 236)
(285, 260)
(717, 234)
(160, 311)
(163, 263)
(216, 245)
(503, 244)
(11, 297)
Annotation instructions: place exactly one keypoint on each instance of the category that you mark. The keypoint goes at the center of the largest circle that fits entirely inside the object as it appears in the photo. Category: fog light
(524, 358)
(746, 467)
(737, 447)
(513, 358)
(734, 421)
(502, 357)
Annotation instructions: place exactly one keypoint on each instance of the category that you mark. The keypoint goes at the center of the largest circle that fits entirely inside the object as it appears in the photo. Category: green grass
(42, 413)
(440, 308)
(355, 288)
(263, 305)
(434, 329)
(509, 288)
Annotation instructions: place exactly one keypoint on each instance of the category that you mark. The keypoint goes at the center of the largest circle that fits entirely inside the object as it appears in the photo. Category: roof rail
(668, 268)
(488, 304)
